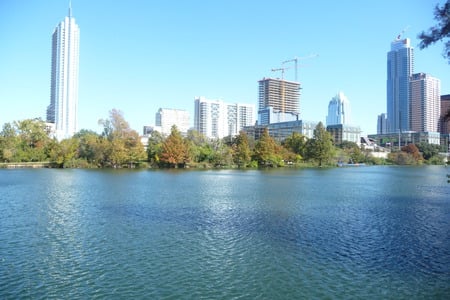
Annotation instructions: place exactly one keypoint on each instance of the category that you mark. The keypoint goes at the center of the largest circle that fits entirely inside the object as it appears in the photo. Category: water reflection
(349, 233)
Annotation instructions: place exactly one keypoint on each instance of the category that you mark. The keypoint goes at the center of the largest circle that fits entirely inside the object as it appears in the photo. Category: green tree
(320, 148)
(33, 140)
(353, 152)
(428, 150)
(267, 152)
(200, 147)
(91, 147)
(439, 32)
(154, 147)
(175, 151)
(242, 154)
(64, 153)
(9, 143)
(296, 143)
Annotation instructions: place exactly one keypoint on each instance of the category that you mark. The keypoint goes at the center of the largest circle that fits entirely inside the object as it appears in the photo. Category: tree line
(120, 146)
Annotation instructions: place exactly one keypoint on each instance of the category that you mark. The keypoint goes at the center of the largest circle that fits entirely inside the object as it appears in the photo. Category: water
(347, 233)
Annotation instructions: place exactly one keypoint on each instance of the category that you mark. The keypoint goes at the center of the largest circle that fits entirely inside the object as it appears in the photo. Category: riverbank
(20, 165)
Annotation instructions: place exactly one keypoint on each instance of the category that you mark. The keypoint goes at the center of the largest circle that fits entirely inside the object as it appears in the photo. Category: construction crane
(296, 59)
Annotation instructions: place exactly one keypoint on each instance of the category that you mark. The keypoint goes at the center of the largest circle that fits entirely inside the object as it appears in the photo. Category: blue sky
(140, 55)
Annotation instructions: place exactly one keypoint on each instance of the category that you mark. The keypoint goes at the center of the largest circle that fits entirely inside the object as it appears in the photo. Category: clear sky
(140, 55)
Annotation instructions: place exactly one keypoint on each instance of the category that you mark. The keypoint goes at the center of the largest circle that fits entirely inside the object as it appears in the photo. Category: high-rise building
(165, 118)
(282, 95)
(400, 67)
(444, 121)
(382, 124)
(217, 119)
(63, 107)
(425, 93)
(339, 112)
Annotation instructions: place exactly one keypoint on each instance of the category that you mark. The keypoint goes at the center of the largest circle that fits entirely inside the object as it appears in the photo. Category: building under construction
(282, 95)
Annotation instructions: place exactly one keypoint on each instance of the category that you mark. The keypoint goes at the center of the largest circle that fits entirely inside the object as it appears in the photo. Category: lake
(347, 233)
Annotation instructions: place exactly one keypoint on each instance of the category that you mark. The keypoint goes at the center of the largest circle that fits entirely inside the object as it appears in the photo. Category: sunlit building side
(218, 119)
(63, 107)
(400, 67)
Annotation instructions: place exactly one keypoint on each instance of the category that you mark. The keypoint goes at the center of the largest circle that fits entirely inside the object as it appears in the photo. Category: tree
(154, 147)
(353, 151)
(428, 150)
(296, 143)
(90, 147)
(9, 143)
(320, 148)
(440, 32)
(175, 151)
(412, 150)
(124, 145)
(266, 151)
(33, 140)
(64, 153)
(242, 153)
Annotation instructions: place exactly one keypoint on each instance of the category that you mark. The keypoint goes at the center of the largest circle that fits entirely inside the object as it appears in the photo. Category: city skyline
(133, 55)
(63, 107)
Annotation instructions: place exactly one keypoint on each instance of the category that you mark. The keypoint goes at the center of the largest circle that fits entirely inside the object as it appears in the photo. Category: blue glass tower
(400, 66)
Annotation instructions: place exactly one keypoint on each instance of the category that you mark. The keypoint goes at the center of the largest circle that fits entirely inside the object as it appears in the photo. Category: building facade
(63, 107)
(339, 112)
(398, 140)
(425, 111)
(280, 131)
(165, 118)
(382, 124)
(282, 95)
(400, 67)
(268, 116)
(218, 119)
(343, 132)
(444, 119)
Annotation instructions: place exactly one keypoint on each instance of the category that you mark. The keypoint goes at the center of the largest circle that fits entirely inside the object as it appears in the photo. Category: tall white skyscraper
(425, 102)
(339, 110)
(400, 67)
(63, 107)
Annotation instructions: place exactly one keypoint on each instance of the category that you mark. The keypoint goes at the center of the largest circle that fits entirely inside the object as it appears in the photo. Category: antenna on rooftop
(70, 8)
(399, 36)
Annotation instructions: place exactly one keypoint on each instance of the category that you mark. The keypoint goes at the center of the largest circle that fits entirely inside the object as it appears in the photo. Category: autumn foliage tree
(242, 154)
(124, 146)
(174, 152)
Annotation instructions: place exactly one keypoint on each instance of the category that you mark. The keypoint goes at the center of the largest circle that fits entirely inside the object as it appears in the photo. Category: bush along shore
(27, 143)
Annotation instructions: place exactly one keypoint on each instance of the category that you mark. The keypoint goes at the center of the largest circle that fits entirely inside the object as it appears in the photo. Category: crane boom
(295, 60)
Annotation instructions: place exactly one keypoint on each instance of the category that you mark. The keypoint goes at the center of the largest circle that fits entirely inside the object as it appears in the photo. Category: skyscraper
(444, 121)
(282, 95)
(425, 92)
(339, 110)
(63, 107)
(400, 67)
(381, 124)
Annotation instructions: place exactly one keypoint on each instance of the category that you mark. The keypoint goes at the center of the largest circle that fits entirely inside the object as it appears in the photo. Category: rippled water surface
(370, 232)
